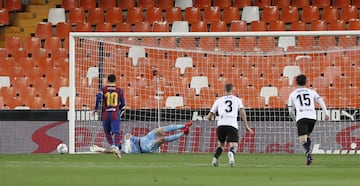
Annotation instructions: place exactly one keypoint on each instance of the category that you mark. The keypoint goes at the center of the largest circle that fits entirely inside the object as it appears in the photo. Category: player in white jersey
(301, 106)
(228, 107)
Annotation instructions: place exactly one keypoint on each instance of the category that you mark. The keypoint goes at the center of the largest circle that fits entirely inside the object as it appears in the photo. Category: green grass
(177, 170)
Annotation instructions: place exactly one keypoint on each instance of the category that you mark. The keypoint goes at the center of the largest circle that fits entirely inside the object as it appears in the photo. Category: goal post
(173, 77)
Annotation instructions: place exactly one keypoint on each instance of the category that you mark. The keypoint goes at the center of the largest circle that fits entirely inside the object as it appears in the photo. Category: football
(62, 148)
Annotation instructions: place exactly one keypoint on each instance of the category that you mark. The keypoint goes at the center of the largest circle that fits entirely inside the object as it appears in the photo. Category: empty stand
(270, 13)
(258, 26)
(230, 14)
(12, 43)
(330, 13)
(300, 3)
(321, 3)
(63, 29)
(173, 14)
(43, 30)
(199, 82)
(277, 25)
(164, 4)
(136, 52)
(76, 15)
(127, 4)
(262, 3)
(348, 13)
(153, 14)
(64, 93)
(320, 82)
(291, 72)
(202, 3)
(95, 16)
(160, 26)
(4, 81)
(180, 26)
(142, 27)
(108, 4)
(289, 14)
(56, 15)
(222, 3)
(183, 63)
(31, 44)
(13, 5)
(298, 26)
(318, 25)
(250, 13)
(4, 17)
(238, 26)
(83, 27)
(199, 27)
(281, 3)
(114, 15)
(192, 14)
(69, 4)
(218, 26)
(146, 4)
(354, 24)
(104, 27)
(174, 102)
(183, 4)
(134, 15)
(211, 14)
(310, 13)
(268, 92)
(337, 25)
(286, 41)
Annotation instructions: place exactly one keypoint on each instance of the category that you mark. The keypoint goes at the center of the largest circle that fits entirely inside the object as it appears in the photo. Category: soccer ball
(62, 148)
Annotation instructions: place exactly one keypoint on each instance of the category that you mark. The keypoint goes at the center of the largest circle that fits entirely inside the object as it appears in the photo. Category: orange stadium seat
(346, 41)
(238, 26)
(227, 44)
(289, 14)
(134, 15)
(281, 3)
(123, 27)
(83, 27)
(262, 3)
(12, 43)
(126, 4)
(348, 13)
(318, 25)
(222, 3)
(354, 24)
(172, 14)
(160, 26)
(337, 25)
(63, 29)
(95, 16)
(192, 14)
(300, 3)
(114, 15)
(254, 101)
(310, 13)
(321, 3)
(326, 41)
(69, 4)
(320, 82)
(199, 26)
(207, 43)
(266, 44)
(356, 3)
(31, 44)
(277, 102)
(4, 17)
(241, 3)
(332, 72)
(277, 25)
(76, 15)
(330, 13)
(142, 27)
(298, 26)
(104, 27)
(258, 26)
(211, 14)
(270, 13)
(218, 26)
(146, 4)
(153, 14)
(13, 5)
(43, 30)
(247, 44)
(106, 5)
(164, 4)
(341, 3)
(230, 14)
(202, 3)
(87, 4)
(305, 41)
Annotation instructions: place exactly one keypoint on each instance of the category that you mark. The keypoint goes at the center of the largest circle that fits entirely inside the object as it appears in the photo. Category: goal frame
(73, 35)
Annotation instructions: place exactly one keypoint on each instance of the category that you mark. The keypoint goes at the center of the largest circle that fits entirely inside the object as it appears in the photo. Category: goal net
(171, 78)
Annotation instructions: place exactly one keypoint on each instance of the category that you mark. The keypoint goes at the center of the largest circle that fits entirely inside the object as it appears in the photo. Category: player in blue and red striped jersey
(113, 101)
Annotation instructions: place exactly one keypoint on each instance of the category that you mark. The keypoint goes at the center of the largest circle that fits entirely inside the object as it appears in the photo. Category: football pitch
(177, 169)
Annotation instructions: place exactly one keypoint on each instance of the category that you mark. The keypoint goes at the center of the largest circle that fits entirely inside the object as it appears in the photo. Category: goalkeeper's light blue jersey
(145, 144)
(131, 146)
